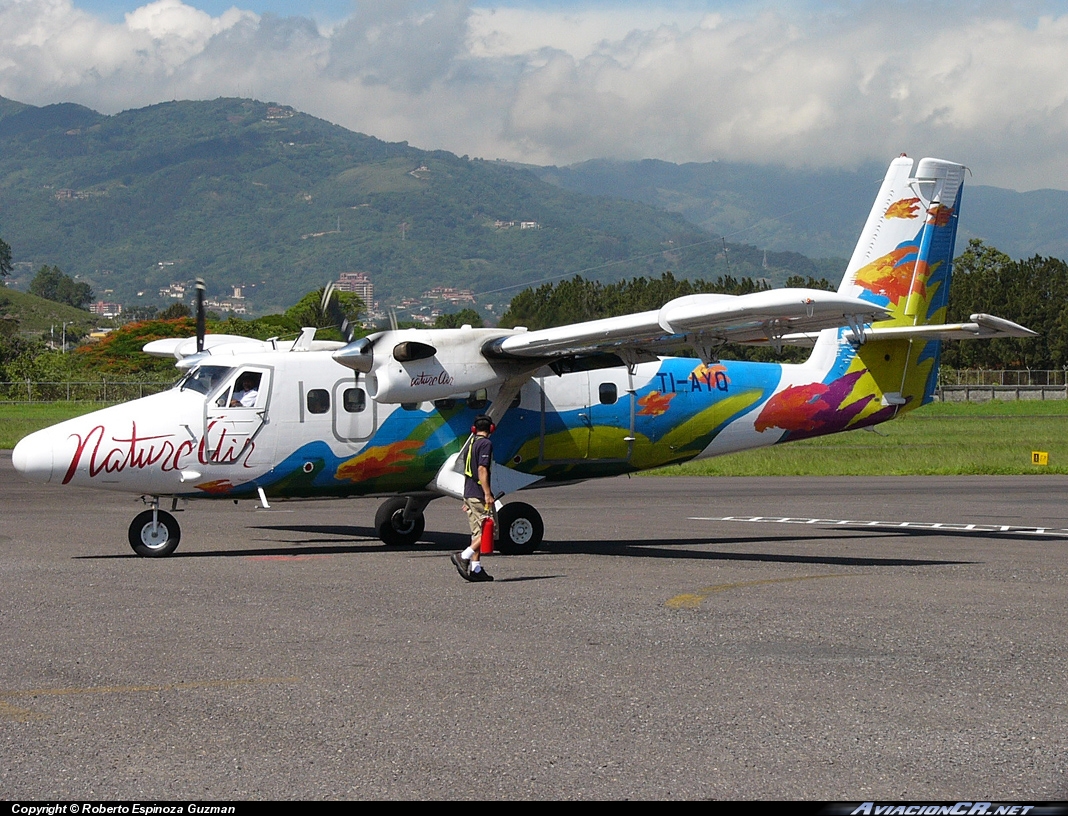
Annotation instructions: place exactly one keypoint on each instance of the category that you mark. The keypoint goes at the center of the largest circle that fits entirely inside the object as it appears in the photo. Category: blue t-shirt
(481, 454)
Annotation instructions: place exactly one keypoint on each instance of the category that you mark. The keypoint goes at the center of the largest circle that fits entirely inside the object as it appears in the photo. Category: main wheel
(155, 540)
(391, 526)
(521, 529)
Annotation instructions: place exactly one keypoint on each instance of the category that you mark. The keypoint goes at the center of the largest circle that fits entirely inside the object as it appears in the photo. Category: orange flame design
(702, 371)
(219, 486)
(378, 461)
(903, 208)
(794, 409)
(889, 275)
(655, 404)
(939, 216)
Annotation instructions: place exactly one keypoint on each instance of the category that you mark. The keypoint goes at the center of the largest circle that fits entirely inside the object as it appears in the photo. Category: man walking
(478, 498)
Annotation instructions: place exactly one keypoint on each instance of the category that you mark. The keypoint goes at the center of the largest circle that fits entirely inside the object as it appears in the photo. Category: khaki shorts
(476, 512)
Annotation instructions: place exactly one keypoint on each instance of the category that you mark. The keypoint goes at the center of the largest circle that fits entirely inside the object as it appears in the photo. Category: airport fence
(28, 391)
(954, 385)
(983, 385)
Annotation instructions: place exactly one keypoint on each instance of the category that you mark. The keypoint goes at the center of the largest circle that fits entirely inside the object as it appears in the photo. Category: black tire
(391, 526)
(158, 543)
(521, 529)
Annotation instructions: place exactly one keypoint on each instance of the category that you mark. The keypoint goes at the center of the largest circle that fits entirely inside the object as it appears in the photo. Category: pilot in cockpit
(246, 390)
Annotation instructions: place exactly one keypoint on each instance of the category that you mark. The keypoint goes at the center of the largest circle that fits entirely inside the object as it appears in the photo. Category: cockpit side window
(246, 390)
(244, 393)
(203, 379)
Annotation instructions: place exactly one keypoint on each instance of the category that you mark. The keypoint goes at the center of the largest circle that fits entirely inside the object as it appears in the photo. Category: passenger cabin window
(608, 393)
(354, 400)
(318, 401)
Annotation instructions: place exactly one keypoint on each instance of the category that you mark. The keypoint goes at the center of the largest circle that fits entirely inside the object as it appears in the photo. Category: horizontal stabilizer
(979, 327)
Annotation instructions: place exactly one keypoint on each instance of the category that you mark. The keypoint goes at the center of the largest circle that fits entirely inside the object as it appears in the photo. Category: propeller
(201, 326)
(331, 307)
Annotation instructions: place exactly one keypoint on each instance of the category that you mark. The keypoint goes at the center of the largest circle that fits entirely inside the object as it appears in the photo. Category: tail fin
(902, 263)
(904, 257)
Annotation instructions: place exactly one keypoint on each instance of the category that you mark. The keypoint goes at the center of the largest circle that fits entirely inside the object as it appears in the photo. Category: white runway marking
(1055, 532)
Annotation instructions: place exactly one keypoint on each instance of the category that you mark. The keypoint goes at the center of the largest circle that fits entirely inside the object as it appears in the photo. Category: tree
(5, 258)
(458, 319)
(809, 282)
(1030, 292)
(175, 311)
(309, 311)
(51, 284)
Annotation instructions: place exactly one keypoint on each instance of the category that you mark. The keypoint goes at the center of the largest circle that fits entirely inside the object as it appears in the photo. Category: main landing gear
(400, 522)
(521, 529)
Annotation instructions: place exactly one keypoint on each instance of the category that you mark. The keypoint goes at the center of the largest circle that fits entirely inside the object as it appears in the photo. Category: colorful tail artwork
(903, 263)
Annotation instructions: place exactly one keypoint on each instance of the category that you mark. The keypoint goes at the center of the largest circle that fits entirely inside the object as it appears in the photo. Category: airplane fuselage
(316, 432)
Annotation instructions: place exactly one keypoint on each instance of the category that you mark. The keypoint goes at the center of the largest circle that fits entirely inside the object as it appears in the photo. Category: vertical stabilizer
(902, 263)
(905, 254)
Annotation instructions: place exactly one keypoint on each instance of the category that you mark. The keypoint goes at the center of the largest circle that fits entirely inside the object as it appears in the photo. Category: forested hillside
(816, 212)
(247, 193)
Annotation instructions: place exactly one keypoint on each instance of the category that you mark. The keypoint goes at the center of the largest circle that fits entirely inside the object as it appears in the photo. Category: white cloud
(988, 87)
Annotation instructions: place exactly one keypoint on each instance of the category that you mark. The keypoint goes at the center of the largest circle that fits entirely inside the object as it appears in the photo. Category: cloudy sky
(799, 83)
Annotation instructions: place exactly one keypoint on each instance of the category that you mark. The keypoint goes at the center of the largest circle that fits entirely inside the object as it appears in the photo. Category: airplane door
(355, 415)
(235, 415)
(611, 415)
(591, 420)
(565, 435)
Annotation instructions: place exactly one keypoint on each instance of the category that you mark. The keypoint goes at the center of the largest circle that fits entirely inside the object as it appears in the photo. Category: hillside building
(358, 283)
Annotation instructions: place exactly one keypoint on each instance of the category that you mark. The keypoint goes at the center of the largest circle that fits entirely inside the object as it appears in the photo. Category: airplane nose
(32, 457)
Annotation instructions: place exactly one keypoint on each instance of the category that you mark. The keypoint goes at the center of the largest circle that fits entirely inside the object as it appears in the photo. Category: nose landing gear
(154, 533)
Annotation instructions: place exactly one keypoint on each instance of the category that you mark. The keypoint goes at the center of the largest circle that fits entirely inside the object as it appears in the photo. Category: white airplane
(387, 415)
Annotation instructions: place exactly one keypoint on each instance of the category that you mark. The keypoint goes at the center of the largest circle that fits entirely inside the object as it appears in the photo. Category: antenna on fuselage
(201, 327)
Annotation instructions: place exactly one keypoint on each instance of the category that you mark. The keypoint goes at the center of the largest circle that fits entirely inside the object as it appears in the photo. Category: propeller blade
(201, 326)
(331, 307)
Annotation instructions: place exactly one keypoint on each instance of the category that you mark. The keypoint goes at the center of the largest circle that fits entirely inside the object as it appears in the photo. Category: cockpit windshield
(203, 378)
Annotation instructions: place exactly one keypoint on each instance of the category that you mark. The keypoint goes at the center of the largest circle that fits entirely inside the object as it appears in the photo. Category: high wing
(705, 321)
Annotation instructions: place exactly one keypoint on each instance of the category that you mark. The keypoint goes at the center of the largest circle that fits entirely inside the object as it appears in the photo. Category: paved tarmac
(650, 651)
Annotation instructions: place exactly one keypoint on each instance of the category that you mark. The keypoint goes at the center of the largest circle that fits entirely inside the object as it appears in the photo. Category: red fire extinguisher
(487, 536)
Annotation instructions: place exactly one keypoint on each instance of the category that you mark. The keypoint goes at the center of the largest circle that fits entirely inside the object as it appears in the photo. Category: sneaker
(481, 575)
(463, 566)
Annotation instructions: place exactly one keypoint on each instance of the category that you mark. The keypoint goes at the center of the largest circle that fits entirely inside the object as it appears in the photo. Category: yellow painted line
(691, 600)
(10, 712)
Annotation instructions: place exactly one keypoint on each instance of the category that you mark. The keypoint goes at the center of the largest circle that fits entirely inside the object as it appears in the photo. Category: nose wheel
(154, 534)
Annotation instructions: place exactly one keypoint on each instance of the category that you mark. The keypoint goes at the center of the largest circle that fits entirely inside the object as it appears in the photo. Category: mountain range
(259, 195)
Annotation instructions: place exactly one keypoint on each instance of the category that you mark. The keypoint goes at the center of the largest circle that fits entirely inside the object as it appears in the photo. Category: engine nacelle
(415, 365)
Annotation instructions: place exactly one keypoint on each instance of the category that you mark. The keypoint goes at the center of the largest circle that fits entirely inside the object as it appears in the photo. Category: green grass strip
(939, 439)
